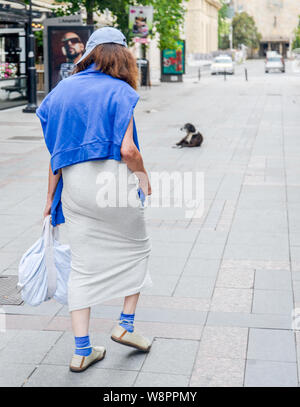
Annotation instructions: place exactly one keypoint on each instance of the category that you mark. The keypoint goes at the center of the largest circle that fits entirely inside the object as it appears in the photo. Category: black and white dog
(192, 138)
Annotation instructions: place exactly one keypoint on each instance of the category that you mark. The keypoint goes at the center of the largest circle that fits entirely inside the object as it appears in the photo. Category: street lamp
(31, 106)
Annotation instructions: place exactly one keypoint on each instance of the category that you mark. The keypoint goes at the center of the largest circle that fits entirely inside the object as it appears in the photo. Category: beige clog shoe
(81, 363)
(133, 339)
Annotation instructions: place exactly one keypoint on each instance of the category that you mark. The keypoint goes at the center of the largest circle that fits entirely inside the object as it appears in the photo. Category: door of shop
(13, 78)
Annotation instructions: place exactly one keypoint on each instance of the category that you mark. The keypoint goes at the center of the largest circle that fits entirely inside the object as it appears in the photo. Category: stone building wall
(276, 20)
(201, 26)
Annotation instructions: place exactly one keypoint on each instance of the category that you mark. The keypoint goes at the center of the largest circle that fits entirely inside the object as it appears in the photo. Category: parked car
(222, 64)
(274, 62)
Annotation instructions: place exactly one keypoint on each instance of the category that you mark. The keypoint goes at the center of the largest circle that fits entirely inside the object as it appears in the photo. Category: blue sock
(83, 346)
(126, 321)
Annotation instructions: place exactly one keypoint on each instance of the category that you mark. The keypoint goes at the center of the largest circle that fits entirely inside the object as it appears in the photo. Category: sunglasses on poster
(73, 41)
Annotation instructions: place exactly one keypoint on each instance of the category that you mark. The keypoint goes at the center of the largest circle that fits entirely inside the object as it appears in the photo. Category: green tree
(74, 6)
(223, 26)
(245, 31)
(296, 42)
(168, 15)
(168, 20)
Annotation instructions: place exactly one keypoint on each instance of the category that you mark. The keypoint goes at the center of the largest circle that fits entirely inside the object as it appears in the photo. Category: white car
(222, 64)
(274, 63)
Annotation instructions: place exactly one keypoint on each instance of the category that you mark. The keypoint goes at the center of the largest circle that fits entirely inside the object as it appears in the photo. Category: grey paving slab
(244, 319)
(174, 314)
(10, 272)
(174, 356)
(272, 302)
(171, 249)
(178, 316)
(232, 278)
(211, 235)
(195, 287)
(6, 337)
(257, 252)
(201, 267)
(174, 235)
(296, 290)
(61, 376)
(252, 238)
(256, 221)
(7, 259)
(295, 258)
(15, 375)
(263, 193)
(232, 300)
(32, 346)
(293, 192)
(273, 280)
(272, 345)
(162, 286)
(46, 308)
(218, 372)
(161, 380)
(295, 238)
(295, 276)
(166, 265)
(223, 342)
(207, 251)
(262, 373)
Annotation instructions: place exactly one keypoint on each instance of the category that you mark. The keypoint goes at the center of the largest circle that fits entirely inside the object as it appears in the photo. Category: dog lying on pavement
(192, 138)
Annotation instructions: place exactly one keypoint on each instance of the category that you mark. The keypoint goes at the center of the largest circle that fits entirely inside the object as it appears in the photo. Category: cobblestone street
(226, 285)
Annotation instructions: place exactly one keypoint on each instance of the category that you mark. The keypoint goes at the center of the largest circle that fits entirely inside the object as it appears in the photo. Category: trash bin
(143, 66)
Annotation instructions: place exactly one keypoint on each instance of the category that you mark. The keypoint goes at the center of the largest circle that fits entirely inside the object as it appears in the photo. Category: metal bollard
(199, 74)
(246, 74)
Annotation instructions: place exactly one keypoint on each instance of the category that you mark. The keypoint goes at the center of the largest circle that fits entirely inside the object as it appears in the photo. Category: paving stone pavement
(225, 306)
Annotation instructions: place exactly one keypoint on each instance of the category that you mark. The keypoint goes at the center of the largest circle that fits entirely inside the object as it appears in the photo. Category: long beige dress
(110, 245)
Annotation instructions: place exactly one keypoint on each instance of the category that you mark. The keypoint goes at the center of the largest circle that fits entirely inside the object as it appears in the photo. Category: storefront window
(13, 80)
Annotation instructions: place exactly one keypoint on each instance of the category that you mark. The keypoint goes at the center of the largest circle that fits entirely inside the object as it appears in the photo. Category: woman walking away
(95, 165)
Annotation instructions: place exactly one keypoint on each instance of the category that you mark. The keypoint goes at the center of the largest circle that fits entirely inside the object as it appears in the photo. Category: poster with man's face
(66, 46)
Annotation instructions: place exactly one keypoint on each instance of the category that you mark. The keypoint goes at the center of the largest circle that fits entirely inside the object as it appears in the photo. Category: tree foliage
(223, 26)
(296, 42)
(167, 20)
(245, 31)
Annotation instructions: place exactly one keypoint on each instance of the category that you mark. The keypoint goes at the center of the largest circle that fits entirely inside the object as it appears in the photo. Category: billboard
(140, 20)
(173, 60)
(66, 45)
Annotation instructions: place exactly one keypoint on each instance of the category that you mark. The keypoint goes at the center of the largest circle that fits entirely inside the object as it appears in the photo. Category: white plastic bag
(44, 269)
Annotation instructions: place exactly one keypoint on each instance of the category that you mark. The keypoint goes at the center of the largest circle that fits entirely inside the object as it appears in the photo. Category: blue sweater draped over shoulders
(85, 117)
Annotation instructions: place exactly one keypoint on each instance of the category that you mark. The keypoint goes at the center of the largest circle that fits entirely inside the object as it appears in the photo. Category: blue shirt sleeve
(57, 215)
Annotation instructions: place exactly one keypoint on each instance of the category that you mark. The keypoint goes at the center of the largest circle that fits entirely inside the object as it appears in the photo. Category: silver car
(222, 64)
(274, 63)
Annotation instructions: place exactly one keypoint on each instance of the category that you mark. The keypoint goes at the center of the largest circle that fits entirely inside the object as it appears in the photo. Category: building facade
(201, 26)
(276, 20)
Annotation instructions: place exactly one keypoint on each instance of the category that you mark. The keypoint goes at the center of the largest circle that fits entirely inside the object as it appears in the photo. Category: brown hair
(114, 60)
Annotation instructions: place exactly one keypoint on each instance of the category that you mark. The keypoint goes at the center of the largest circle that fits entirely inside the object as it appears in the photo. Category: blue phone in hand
(141, 196)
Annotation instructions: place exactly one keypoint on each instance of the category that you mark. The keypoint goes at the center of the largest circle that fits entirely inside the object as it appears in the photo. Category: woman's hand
(47, 209)
(145, 185)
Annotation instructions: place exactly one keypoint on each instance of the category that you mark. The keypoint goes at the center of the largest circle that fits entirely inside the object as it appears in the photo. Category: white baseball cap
(103, 35)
